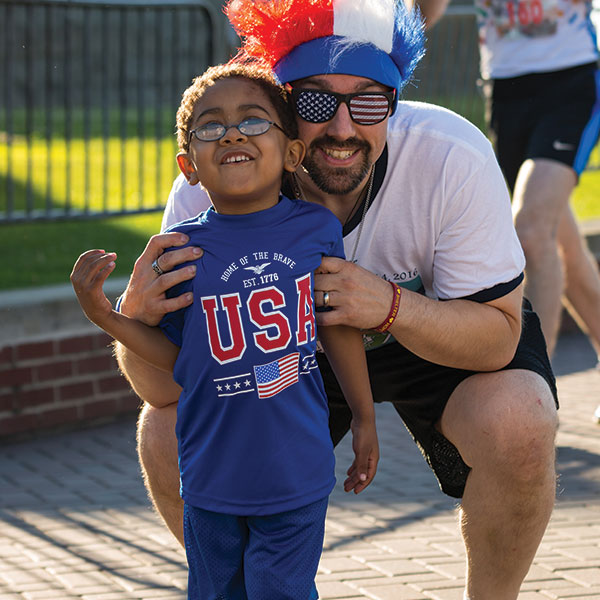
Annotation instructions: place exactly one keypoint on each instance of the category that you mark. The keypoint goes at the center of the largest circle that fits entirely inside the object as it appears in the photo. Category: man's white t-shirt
(517, 37)
(441, 221)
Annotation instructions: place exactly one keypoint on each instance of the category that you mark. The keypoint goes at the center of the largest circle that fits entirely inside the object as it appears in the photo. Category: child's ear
(294, 155)
(187, 167)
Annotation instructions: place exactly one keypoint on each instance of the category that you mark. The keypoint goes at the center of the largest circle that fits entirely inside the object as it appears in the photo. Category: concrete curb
(39, 313)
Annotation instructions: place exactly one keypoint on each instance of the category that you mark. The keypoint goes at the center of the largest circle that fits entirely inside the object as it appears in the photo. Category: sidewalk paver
(75, 521)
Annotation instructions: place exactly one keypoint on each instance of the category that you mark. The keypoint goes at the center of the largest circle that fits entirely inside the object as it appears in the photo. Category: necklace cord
(364, 212)
(298, 193)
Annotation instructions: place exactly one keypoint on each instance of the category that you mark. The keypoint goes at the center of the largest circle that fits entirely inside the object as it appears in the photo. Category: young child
(255, 454)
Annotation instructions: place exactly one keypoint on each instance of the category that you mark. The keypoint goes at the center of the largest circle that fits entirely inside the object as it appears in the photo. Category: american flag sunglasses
(366, 108)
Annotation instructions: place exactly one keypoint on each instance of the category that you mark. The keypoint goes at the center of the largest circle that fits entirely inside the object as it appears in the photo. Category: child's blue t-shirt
(252, 419)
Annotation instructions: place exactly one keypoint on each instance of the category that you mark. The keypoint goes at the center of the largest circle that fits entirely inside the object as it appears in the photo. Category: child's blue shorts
(271, 557)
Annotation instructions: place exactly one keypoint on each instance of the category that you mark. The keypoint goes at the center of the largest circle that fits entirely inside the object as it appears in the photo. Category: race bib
(522, 18)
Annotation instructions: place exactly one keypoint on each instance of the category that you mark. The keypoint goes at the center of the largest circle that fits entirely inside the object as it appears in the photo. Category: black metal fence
(88, 99)
(89, 91)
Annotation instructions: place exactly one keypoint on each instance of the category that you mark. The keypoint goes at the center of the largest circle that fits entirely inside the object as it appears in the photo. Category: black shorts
(552, 115)
(419, 391)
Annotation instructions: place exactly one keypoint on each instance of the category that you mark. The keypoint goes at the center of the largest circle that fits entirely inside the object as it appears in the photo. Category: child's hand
(366, 456)
(88, 275)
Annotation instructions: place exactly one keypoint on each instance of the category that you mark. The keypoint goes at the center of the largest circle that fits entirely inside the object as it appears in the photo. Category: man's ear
(294, 155)
(187, 167)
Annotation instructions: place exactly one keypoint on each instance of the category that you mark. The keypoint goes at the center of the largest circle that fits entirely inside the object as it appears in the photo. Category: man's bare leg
(541, 195)
(157, 451)
(504, 426)
(582, 277)
(582, 291)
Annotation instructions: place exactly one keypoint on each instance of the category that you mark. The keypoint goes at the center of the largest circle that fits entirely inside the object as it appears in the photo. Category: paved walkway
(75, 521)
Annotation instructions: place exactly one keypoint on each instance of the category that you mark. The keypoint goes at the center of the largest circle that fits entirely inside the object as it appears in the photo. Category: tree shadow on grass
(43, 252)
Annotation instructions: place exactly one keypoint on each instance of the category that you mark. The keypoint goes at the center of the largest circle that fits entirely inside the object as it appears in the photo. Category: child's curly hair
(250, 71)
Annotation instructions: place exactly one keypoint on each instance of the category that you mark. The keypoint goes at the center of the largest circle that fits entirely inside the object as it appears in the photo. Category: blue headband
(337, 55)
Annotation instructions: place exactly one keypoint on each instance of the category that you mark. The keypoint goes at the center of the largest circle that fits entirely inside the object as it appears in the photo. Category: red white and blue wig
(377, 39)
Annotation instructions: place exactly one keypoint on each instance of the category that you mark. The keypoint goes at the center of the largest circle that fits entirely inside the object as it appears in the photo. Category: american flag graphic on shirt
(275, 376)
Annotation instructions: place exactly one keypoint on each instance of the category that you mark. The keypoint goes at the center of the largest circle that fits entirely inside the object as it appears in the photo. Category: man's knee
(530, 448)
(508, 423)
(157, 449)
(524, 433)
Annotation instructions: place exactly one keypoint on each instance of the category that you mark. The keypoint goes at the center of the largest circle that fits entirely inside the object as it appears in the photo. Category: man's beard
(337, 180)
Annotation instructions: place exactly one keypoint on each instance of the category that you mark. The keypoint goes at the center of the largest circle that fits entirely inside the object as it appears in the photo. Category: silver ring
(325, 298)
(156, 268)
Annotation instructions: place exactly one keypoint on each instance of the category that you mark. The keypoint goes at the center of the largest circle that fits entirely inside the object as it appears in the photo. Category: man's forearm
(152, 385)
(460, 333)
(456, 333)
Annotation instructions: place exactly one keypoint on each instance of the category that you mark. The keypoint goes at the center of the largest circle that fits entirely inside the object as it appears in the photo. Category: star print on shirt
(308, 364)
(234, 385)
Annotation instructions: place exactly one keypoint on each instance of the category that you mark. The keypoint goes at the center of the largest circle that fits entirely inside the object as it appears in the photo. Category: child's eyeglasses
(366, 108)
(211, 132)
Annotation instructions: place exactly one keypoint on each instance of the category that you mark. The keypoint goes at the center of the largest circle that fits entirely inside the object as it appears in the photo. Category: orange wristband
(393, 310)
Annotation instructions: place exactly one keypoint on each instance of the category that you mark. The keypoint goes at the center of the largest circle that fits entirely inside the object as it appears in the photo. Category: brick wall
(58, 382)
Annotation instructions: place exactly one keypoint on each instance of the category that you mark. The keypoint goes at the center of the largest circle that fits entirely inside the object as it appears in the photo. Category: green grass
(586, 198)
(129, 173)
(128, 169)
(44, 253)
(140, 173)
